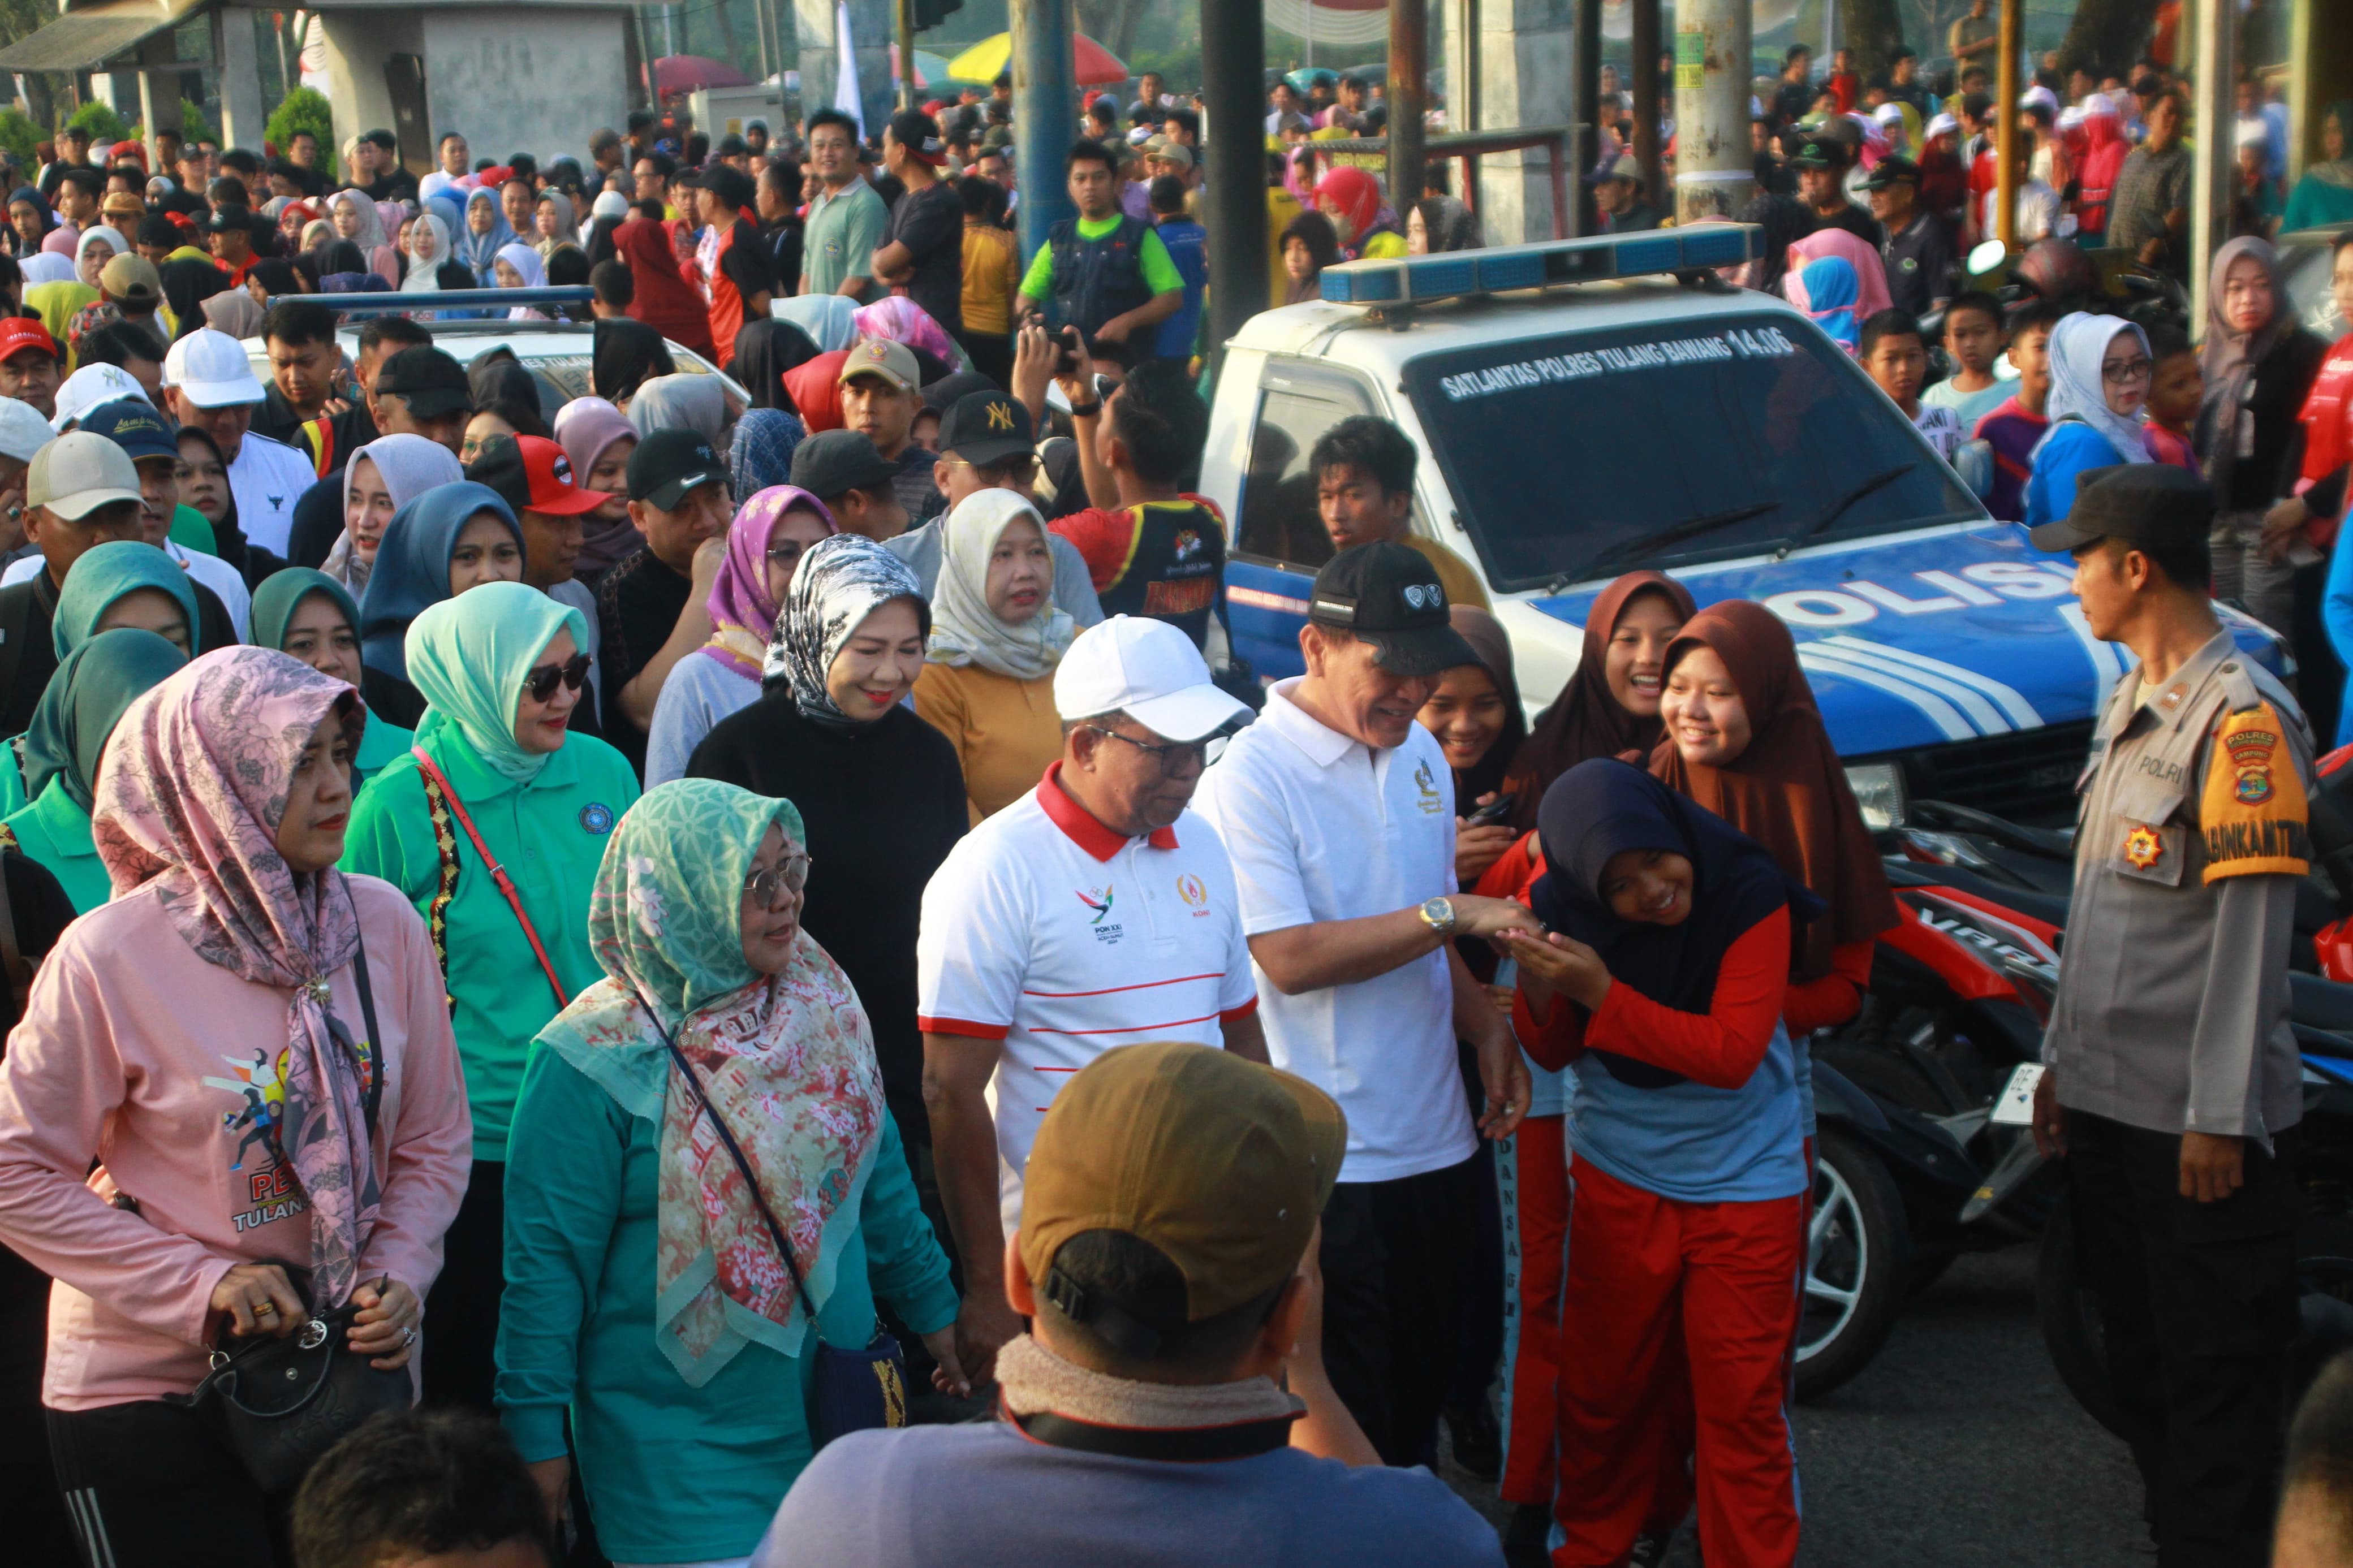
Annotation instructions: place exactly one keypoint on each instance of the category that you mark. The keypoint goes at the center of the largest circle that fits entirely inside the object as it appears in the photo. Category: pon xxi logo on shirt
(1099, 900)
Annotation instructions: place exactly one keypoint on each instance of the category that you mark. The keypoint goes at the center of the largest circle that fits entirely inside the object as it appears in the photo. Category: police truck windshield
(1585, 454)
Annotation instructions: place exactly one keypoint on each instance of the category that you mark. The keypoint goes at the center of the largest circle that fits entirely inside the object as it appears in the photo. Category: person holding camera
(1104, 272)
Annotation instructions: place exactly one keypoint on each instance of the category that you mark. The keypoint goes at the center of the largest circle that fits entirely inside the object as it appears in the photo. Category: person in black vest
(1103, 272)
(1151, 549)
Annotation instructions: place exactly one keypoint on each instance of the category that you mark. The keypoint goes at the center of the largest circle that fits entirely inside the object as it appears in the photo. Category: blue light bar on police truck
(1404, 280)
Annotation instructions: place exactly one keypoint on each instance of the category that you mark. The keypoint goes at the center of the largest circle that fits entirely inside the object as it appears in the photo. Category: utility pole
(1409, 98)
(906, 54)
(2212, 162)
(1585, 140)
(1233, 59)
(2005, 136)
(1715, 173)
(1045, 98)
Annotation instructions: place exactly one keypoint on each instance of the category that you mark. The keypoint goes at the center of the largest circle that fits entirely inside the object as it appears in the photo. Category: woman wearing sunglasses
(493, 826)
(765, 545)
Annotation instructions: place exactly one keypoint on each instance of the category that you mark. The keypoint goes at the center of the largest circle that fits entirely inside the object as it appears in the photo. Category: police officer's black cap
(2154, 504)
(984, 428)
(1819, 151)
(1891, 170)
(428, 378)
(668, 463)
(1389, 595)
(834, 462)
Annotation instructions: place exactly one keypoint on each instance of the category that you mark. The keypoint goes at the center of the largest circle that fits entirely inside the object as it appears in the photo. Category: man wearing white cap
(81, 491)
(23, 432)
(209, 383)
(88, 387)
(1096, 912)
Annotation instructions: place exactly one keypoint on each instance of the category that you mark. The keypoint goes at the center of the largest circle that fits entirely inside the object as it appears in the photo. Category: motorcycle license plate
(2014, 1107)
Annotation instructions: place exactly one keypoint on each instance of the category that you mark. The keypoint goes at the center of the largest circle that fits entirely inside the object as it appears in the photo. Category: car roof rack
(1463, 274)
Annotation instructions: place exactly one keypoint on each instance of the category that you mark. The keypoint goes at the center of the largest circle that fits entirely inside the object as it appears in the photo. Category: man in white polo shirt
(1096, 911)
(209, 383)
(1339, 811)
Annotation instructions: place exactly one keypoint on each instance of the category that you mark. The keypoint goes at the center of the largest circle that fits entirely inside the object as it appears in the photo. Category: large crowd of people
(764, 917)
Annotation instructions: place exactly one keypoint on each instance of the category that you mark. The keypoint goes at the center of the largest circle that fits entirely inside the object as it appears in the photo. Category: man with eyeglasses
(1095, 913)
(985, 443)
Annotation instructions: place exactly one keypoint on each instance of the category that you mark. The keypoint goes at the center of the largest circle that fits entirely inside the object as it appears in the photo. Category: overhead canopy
(87, 38)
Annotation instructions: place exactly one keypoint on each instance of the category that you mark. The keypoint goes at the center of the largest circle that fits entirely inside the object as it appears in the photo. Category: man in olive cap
(2172, 1081)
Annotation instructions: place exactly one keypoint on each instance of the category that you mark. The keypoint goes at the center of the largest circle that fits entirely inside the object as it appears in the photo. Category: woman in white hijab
(97, 245)
(356, 219)
(432, 267)
(518, 265)
(997, 635)
(2099, 373)
(383, 476)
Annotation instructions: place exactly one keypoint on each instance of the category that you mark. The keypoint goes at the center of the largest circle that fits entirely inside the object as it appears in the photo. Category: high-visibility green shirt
(54, 831)
(1160, 274)
(550, 836)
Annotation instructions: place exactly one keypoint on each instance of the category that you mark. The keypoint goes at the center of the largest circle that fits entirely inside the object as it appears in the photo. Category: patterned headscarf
(742, 613)
(842, 580)
(788, 1062)
(902, 321)
(762, 452)
(190, 797)
(965, 630)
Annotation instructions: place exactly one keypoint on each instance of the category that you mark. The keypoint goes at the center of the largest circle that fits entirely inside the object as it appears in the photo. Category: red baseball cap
(531, 473)
(18, 333)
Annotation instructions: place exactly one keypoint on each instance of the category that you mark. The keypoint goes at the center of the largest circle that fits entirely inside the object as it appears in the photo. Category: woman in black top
(879, 790)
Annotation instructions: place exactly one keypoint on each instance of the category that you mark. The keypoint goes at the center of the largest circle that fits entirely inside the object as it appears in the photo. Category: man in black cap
(1337, 810)
(857, 483)
(1820, 162)
(650, 607)
(923, 247)
(2172, 1081)
(1918, 256)
(421, 390)
(228, 235)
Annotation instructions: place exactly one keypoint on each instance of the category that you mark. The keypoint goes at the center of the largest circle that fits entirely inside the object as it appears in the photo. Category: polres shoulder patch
(2253, 812)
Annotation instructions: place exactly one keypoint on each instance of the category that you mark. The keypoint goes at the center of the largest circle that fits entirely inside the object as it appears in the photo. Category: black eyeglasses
(2125, 372)
(540, 684)
(786, 552)
(1177, 757)
(768, 888)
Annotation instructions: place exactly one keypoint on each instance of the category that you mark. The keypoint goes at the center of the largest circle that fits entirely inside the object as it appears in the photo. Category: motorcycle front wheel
(1858, 1264)
(2070, 1319)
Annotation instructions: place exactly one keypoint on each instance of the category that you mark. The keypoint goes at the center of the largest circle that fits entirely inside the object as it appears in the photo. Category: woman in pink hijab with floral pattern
(277, 1136)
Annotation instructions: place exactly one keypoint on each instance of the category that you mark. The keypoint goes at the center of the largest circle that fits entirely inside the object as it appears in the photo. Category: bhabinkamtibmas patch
(2254, 811)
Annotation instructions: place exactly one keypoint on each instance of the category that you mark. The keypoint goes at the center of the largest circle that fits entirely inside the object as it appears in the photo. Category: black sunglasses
(540, 684)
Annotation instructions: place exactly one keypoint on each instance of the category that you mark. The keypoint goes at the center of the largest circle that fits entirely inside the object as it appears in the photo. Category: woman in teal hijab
(126, 583)
(84, 702)
(310, 616)
(650, 1299)
(448, 540)
(500, 669)
(2325, 195)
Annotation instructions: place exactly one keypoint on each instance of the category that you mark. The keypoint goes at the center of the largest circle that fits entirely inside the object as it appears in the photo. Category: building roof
(88, 37)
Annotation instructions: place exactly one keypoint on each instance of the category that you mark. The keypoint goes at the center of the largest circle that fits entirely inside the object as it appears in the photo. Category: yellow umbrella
(987, 59)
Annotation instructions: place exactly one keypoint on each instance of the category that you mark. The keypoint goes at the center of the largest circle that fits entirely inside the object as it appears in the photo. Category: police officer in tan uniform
(2172, 1081)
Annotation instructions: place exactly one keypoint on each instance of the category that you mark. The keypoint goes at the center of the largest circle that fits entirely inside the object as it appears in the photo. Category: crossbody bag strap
(742, 1165)
(434, 780)
(379, 1063)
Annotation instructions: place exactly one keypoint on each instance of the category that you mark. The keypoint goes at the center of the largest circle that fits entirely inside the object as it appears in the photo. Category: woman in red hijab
(665, 301)
(1351, 198)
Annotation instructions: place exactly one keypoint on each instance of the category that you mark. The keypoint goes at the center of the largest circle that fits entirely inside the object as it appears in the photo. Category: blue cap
(133, 425)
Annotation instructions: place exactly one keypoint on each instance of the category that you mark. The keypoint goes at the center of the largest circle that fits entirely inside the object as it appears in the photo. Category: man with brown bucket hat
(1166, 1262)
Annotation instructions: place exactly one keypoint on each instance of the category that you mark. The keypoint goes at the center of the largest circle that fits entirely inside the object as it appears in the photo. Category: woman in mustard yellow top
(988, 676)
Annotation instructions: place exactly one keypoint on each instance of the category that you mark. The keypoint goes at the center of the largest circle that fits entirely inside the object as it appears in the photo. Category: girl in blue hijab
(451, 539)
(479, 248)
(1834, 298)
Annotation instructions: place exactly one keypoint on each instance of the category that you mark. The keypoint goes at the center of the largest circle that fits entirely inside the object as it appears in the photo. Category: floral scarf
(841, 581)
(741, 614)
(788, 1062)
(194, 781)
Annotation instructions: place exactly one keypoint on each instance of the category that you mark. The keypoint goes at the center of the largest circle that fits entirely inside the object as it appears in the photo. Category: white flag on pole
(846, 96)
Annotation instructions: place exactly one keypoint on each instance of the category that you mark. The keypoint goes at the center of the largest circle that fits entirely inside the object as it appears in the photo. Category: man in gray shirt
(2172, 1081)
(847, 221)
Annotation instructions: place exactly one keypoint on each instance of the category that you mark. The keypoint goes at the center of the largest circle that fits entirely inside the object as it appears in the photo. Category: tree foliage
(103, 123)
(305, 109)
(19, 135)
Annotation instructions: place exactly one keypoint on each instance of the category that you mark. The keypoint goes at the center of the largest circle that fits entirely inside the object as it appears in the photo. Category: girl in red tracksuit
(1662, 981)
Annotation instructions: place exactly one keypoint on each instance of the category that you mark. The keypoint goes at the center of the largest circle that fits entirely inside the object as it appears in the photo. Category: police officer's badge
(597, 817)
(2143, 846)
(2251, 765)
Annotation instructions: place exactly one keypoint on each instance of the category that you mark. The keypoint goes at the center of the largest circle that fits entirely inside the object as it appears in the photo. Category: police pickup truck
(1583, 408)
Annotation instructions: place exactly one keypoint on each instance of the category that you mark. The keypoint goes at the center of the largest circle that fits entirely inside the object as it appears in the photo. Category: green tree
(103, 123)
(18, 134)
(305, 109)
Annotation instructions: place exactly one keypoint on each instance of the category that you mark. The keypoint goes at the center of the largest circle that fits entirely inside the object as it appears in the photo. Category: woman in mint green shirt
(84, 702)
(499, 668)
(645, 1294)
(310, 616)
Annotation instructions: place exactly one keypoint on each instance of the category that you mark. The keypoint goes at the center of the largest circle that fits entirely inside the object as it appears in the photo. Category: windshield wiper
(1651, 543)
(1877, 481)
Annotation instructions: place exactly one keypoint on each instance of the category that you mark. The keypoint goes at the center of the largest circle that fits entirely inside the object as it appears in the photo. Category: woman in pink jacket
(200, 1038)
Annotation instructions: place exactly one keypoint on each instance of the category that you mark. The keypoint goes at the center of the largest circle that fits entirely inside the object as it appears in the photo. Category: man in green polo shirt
(846, 222)
(1104, 272)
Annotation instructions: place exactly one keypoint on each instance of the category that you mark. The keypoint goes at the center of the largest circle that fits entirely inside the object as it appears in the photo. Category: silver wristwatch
(1438, 914)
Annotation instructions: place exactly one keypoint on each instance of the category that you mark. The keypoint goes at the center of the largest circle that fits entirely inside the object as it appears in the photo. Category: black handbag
(856, 1390)
(279, 1403)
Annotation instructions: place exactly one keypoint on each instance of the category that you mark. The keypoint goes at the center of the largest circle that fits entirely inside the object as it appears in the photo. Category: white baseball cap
(23, 431)
(79, 472)
(211, 371)
(1149, 670)
(90, 385)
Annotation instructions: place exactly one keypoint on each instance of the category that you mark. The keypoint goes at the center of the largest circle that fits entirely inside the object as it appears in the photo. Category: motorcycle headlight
(1879, 790)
